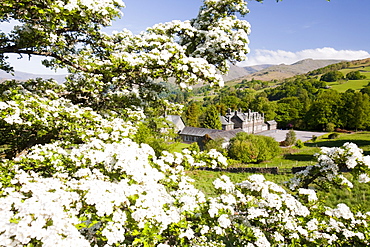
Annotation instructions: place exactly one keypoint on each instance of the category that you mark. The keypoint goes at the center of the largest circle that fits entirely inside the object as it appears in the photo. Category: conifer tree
(211, 119)
(192, 114)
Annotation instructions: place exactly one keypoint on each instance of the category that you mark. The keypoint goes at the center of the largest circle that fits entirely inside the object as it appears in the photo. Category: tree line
(300, 102)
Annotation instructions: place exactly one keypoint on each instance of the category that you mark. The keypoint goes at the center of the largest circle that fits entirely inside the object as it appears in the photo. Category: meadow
(358, 197)
(293, 156)
(343, 85)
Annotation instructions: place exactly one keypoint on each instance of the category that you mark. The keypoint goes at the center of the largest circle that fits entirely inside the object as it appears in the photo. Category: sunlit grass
(344, 85)
(179, 147)
(305, 156)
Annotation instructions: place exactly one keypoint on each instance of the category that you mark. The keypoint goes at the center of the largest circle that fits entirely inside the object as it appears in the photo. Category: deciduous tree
(249, 148)
(355, 75)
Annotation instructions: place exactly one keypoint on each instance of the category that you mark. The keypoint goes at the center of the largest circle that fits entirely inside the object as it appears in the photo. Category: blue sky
(283, 32)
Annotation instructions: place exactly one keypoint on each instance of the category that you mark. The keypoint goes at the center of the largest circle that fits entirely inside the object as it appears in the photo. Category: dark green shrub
(333, 136)
(330, 127)
(299, 144)
(290, 138)
(355, 75)
(314, 138)
(332, 76)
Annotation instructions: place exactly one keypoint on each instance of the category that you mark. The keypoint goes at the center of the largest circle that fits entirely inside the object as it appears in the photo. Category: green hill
(363, 66)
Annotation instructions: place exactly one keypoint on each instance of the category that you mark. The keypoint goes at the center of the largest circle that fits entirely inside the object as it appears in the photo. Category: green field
(179, 147)
(343, 85)
(358, 197)
(292, 156)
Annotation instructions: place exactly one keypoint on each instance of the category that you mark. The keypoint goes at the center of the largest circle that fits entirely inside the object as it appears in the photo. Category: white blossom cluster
(187, 51)
(95, 6)
(278, 217)
(192, 160)
(84, 185)
(156, 56)
(49, 26)
(331, 163)
(53, 114)
(105, 191)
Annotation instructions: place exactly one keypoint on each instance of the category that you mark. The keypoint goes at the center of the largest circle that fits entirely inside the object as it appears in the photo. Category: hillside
(282, 71)
(22, 76)
(236, 72)
(363, 66)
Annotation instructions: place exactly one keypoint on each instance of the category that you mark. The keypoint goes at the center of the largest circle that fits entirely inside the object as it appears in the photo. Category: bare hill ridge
(271, 72)
(236, 72)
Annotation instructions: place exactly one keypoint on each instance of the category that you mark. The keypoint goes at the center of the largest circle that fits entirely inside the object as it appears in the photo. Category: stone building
(232, 123)
(250, 122)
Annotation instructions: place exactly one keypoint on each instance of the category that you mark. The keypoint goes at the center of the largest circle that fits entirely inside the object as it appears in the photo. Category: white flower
(189, 234)
(342, 211)
(310, 192)
(224, 221)
(205, 229)
(224, 183)
(312, 224)
(363, 178)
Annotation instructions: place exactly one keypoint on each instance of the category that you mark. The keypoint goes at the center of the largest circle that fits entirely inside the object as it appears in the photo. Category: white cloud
(287, 57)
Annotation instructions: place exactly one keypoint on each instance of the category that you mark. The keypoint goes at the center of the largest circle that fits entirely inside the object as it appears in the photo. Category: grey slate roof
(225, 120)
(226, 135)
(271, 122)
(192, 131)
(177, 121)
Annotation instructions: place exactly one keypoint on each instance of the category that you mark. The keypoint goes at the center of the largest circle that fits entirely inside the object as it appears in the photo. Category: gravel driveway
(279, 135)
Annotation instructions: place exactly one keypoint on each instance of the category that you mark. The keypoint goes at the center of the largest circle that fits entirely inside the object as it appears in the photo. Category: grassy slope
(342, 86)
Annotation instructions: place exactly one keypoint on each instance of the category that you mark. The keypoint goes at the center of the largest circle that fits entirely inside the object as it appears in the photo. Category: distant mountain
(271, 72)
(236, 72)
(22, 76)
(301, 67)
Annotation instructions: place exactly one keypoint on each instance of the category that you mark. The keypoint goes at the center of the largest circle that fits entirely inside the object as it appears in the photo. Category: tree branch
(15, 49)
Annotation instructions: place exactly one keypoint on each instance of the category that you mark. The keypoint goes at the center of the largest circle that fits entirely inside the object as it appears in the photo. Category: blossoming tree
(73, 175)
(106, 67)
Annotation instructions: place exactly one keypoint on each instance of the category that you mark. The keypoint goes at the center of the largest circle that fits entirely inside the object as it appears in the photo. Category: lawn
(304, 156)
(292, 156)
(343, 86)
(361, 139)
(179, 147)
